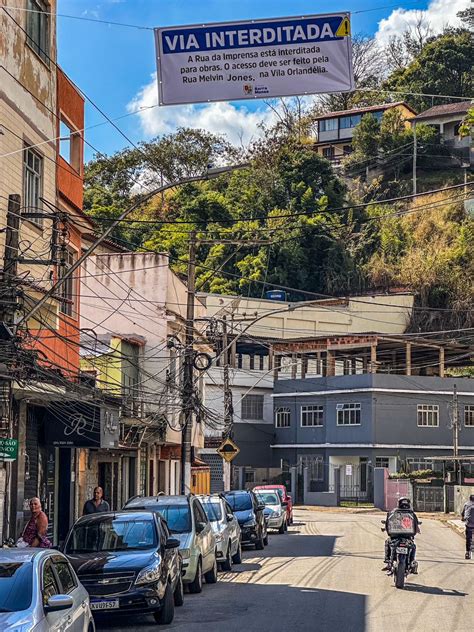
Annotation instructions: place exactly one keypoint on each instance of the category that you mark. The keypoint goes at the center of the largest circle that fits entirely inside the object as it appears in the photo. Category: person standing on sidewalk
(467, 516)
(96, 504)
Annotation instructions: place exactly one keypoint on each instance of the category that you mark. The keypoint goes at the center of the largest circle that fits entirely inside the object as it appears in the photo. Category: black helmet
(404, 503)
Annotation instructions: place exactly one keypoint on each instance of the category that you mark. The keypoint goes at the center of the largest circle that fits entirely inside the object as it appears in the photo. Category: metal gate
(427, 498)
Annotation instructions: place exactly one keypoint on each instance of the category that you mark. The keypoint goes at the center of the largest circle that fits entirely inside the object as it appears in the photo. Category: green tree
(444, 67)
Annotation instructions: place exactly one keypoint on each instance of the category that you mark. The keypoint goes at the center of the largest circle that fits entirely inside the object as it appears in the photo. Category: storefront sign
(258, 59)
(8, 449)
(73, 425)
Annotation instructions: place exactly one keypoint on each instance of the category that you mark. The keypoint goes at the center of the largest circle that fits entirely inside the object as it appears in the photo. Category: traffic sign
(8, 449)
(228, 450)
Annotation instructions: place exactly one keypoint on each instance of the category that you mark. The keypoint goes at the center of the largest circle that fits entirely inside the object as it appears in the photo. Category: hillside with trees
(288, 220)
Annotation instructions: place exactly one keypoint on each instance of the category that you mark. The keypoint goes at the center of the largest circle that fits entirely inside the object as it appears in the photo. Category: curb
(453, 524)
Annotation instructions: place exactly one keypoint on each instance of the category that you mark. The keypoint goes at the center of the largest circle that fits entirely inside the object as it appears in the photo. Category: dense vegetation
(287, 220)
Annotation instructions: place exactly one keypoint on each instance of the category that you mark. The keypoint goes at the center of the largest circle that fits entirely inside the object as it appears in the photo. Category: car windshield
(16, 586)
(135, 534)
(239, 502)
(177, 516)
(212, 509)
(269, 498)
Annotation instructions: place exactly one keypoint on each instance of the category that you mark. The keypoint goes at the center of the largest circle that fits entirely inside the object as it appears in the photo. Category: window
(66, 577)
(382, 461)
(199, 513)
(32, 183)
(428, 415)
(469, 415)
(67, 288)
(347, 122)
(282, 417)
(252, 407)
(312, 415)
(315, 465)
(328, 125)
(70, 145)
(37, 28)
(249, 476)
(328, 152)
(50, 585)
(419, 463)
(348, 414)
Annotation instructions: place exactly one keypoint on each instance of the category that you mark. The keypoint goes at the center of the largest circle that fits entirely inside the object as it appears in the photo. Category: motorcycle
(401, 531)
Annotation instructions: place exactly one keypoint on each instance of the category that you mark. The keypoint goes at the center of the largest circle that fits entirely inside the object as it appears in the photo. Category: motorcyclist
(404, 504)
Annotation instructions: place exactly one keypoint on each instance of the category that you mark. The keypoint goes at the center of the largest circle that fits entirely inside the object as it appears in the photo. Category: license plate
(105, 605)
(401, 549)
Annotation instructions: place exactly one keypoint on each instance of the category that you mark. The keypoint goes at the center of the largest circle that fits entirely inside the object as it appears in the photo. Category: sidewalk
(458, 526)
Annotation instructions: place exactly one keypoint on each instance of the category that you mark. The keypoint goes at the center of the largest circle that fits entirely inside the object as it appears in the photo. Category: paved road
(325, 575)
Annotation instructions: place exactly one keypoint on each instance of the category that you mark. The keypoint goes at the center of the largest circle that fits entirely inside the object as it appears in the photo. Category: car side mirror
(172, 543)
(229, 517)
(200, 526)
(261, 506)
(56, 603)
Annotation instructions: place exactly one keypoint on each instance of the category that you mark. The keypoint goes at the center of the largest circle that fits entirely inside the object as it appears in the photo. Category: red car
(284, 497)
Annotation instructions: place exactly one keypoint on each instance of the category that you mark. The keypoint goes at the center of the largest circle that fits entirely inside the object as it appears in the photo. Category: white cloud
(439, 14)
(238, 123)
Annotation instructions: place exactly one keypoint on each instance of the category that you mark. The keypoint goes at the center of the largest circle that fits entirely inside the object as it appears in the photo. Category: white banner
(256, 59)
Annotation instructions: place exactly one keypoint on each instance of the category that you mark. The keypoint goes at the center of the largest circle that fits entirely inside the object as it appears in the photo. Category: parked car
(128, 563)
(187, 522)
(274, 512)
(39, 591)
(285, 498)
(249, 511)
(226, 529)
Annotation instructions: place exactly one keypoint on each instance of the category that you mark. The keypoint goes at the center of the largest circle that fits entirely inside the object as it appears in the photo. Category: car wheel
(211, 576)
(227, 563)
(260, 543)
(166, 614)
(179, 592)
(237, 557)
(196, 585)
(282, 529)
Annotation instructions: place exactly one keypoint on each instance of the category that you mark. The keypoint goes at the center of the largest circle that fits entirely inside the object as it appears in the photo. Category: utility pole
(188, 382)
(228, 405)
(414, 158)
(457, 469)
(8, 301)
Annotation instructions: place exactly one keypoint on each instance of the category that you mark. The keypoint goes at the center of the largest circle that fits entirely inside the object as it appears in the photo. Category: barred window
(32, 184)
(282, 417)
(348, 414)
(382, 461)
(252, 407)
(37, 28)
(469, 415)
(419, 463)
(312, 416)
(428, 415)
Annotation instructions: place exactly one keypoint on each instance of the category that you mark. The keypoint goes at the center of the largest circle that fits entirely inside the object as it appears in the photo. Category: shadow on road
(234, 607)
(434, 590)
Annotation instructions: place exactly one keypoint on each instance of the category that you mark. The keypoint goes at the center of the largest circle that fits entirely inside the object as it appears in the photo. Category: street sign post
(228, 450)
(257, 59)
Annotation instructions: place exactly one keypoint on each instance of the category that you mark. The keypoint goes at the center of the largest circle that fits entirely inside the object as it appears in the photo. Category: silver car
(226, 529)
(275, 513)
(40, 592)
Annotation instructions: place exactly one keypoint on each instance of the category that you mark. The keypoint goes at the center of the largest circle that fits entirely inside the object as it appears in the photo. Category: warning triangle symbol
(344, 29)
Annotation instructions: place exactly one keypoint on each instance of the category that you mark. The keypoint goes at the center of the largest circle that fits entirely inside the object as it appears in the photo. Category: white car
(40, 592)
(226, 529)
(275, 513)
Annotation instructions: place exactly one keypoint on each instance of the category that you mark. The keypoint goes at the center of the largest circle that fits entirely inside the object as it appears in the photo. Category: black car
(249, 511)
(128, 563)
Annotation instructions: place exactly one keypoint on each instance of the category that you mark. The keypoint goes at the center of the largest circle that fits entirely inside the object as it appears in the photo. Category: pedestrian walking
(96, 504)
(467, 516)
(34, 534)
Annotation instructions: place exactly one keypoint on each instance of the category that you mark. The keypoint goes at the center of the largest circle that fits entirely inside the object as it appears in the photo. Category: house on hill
(336, 129)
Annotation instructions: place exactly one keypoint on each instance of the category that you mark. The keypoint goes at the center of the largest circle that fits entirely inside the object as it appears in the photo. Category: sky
(115, 65)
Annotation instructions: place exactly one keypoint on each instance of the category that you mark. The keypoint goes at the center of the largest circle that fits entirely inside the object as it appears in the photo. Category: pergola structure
(368, 353)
